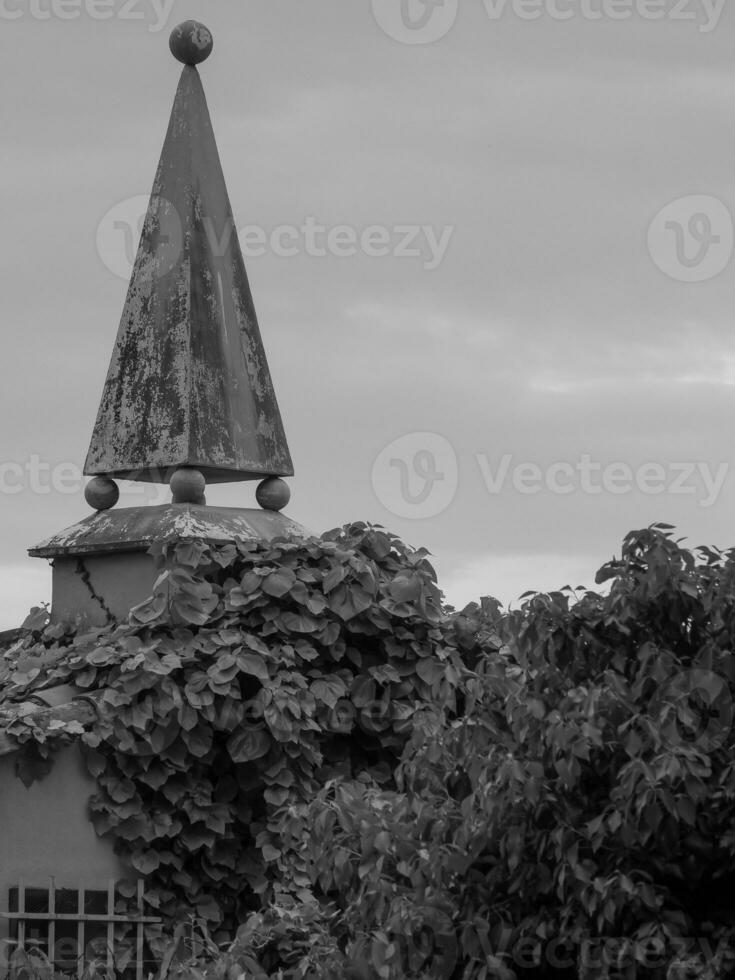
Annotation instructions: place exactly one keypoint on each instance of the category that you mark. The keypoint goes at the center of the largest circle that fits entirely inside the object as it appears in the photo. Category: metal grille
(62, 922)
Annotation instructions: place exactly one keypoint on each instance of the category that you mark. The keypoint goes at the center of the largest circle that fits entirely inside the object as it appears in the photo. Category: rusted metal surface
(136, 528)
(188, 382)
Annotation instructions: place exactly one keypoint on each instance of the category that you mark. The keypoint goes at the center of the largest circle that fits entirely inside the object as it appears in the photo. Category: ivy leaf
(248, 744)
(253, 642)
(279, 583)
(120, 790)
(250, 583)
(306, 651)
(299, 622)
(377, 544)
(31, 766)
(198, 741)
(224, 555)
(349, 602)
(199, 836)
(74, 728)
(190, 552)
(209, 910)
(385, 674)
(224, 669)
(253, 664)
(96, 762)
(37, 619)
(333, 578)
(149, 611)
(329, 690)
(194, 609)
(329, 635)
(405, 588)
(145, 861)
(276, 795)
(363, 691)
(316, 604)
(431, 671)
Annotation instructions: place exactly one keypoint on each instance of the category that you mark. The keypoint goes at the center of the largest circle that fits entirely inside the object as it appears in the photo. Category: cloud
(546, 331)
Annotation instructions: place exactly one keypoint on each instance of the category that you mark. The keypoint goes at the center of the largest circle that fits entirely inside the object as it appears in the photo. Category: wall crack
(83, 572)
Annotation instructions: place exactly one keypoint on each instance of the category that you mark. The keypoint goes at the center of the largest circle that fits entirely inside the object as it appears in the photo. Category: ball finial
(273, 494)
(187, 486)
(101, 493)
(191, 42)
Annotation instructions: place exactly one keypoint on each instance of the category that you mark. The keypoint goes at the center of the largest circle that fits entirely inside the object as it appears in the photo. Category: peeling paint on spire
(188, 383)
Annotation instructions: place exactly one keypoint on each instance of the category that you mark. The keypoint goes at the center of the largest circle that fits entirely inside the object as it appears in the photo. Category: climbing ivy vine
(254, 675)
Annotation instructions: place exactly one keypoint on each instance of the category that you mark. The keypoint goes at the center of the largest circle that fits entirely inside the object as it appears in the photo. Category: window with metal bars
(73, 927)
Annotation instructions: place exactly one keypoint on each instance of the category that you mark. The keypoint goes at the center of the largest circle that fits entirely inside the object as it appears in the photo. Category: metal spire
(188, 397)
(188, 383)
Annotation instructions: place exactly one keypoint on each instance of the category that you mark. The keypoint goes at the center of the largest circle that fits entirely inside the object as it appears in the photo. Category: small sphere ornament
(101, 493)
(188, 486)
(191, 42)
(273, 494)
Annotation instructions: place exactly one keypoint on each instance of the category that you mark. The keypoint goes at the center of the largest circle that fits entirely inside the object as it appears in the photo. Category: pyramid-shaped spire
(188, 383)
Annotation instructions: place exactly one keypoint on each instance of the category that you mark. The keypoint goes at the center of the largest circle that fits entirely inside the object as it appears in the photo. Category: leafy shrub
(578, 818)
(546, 792)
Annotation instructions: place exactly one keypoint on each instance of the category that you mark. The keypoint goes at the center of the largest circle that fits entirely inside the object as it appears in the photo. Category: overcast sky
(520, 297)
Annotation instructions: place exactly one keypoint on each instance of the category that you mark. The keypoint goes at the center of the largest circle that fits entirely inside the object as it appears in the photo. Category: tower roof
(188, 383)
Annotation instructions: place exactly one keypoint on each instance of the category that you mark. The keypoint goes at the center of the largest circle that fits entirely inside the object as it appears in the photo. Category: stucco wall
(92, 585)
(45, 831)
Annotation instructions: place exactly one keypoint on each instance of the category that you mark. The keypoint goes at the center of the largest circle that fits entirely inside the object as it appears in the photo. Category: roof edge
(137, 528)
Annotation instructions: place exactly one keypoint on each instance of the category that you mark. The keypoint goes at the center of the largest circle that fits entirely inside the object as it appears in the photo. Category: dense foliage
(254, 675)
(299, 737)
(578, 819)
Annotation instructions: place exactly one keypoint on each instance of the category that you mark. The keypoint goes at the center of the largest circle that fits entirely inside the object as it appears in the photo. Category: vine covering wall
(254, 675)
